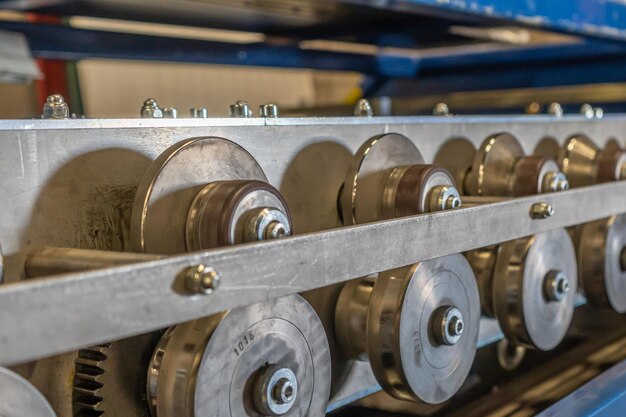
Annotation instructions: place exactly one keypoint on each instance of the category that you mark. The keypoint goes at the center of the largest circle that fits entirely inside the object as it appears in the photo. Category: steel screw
(555, 286)
(555, 109)
(541, 211)
(170, 113)
(444, 197)
(598, 112)
(55, 107)
(268, 110)
(554, 181)
(448, 325)
(587, 111)
(283, 391)
(441, 109)
(151, 110)
(200, 279)
(363, 108)
(199, 112)
(275, 230)
(240, 109)
(275, 390)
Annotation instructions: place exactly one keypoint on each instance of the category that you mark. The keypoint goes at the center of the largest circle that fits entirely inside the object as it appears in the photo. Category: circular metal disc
(171, 183)
(406, 360)
(600, 254)
(494, 166)
(208, 367)
(457, 156)
(577, 159)
(364, 188)
(525, 315)
(20, 399)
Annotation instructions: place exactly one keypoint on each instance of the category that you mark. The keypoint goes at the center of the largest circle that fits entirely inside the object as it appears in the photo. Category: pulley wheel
(422, 328)
(535, 288)
(493, 168)
(578, 160)
(20, 398)
(172, 182)
(368, 176)
(269, 358)
(602, 262)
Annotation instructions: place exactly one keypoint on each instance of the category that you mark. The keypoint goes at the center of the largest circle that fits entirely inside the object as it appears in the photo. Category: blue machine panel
(598, 18)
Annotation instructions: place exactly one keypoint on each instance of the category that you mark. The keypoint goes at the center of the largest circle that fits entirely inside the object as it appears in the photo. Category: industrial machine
(276, 266)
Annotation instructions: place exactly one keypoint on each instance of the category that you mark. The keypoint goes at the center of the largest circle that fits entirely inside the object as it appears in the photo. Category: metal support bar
(74, 310)
(51, 261)
(597, 18)
(63, 42)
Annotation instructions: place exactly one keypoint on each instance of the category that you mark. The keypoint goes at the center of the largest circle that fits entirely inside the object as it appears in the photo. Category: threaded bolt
(200, 279)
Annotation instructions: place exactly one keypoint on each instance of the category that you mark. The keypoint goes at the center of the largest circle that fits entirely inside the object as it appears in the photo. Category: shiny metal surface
(172, 182)
(248, 277)
(601, 262)
(578, 160)
(20, 398)
(209, 367)
(49, 261)
(367, 194)
(493, 168)
(500, 168)
(70, 179)
(405, 357)
(527, 317)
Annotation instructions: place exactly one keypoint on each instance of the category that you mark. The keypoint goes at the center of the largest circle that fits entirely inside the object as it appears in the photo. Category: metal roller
(19, 398)
(599, 244)
(200, 193)
(388, 178)
(602, 262)
(585, 163)
(501, 168)
(203, 193)
(534, 289)
(417, 326)
(268, 359)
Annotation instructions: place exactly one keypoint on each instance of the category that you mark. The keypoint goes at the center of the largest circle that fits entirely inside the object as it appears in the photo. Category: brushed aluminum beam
(43, 317)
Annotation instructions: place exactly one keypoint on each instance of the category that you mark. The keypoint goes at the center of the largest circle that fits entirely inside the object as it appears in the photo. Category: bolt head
(441, 109)
(587, 111)
(275, 230)
(444, 197)
(240, 109)
(275, 390)
(199, 112)
(541, 211)
(556, 286)
(363, 108)
(55, 107)
(151, 110)
(200, 279)
(555, 109)
(268, 110)
(598, 112)
(447, 325)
